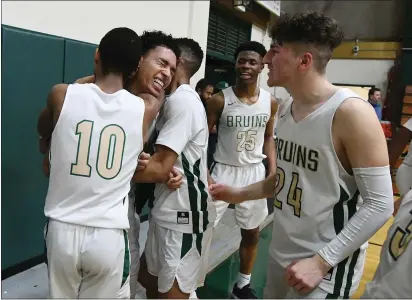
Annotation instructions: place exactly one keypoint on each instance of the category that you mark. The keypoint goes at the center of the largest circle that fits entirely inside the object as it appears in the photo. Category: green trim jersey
(393, 278)
(241, 130)
(94, 150)
(315, 196)
(182, 127)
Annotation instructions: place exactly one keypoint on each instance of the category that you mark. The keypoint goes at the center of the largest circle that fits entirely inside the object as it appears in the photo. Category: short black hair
(157, 38)
(120, 51)
(202, 84)
(251, 46)
(191, 54)
(372, 91)
(312, 29)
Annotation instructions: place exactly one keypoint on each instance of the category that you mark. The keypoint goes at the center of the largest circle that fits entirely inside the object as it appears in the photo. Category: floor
(224, 264)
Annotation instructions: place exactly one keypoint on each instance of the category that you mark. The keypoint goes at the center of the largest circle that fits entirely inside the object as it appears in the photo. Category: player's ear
(97, 57)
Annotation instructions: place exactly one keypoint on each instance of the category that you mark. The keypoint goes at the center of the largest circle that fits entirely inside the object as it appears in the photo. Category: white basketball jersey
(241, 130)
(182, 126)
(315, 196)
(94, 149)
(393, 278)
(408, 158)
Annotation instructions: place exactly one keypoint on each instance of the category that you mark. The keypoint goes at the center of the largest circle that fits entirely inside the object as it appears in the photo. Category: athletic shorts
(133, 234)
(249, 214)
(404, 179)
(174, 255)
(87, 262)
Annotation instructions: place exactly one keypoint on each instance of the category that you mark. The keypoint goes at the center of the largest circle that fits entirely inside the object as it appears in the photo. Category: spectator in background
(205, 90)
(375, 100)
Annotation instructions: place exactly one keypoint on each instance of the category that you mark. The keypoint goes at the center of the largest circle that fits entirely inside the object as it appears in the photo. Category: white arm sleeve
(408, 124)
(375, 187)
(178, 129)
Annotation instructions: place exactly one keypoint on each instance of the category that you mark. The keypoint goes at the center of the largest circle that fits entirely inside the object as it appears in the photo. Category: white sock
(242, 280)
(193, 295)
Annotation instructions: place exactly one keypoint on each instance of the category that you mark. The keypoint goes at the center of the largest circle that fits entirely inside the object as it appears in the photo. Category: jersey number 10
(109, 151)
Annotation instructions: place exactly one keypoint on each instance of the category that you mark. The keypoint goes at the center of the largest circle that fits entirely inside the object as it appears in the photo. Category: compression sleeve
(375, 187)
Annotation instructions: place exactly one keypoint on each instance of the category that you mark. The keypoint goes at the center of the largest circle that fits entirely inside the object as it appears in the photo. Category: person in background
(375, 100)
(205, 90)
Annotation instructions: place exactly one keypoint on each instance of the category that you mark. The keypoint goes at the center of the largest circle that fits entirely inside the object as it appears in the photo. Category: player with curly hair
(330, 151)
(179, 219)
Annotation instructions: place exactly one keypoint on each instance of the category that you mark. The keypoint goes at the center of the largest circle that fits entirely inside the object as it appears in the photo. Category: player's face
(248, 66)
(282, 64)
(206, 93)
(156, 70)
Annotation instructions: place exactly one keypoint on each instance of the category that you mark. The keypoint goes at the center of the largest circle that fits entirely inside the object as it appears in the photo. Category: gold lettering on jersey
(240, 121)
(298, 155)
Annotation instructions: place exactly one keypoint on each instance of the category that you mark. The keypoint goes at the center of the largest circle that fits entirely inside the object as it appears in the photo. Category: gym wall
(45, 43)
(88, 21)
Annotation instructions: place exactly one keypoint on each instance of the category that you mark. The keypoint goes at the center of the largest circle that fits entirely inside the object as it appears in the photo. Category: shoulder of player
(216, 102)
(356, 114)
(57, 94)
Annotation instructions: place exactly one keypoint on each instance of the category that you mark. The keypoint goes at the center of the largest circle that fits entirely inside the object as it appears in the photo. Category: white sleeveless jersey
(408, 158)
(182, 127)
(393, 278)
(241, 130)
(94, 149)
(315, 196)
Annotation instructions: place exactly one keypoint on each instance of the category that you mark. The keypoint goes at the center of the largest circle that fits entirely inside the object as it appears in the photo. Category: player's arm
(214, 109)
(262, 189)
(172, 139)
(50, 114)
(87, 79)
(360, 134)
(269, 144)
(398, 143)
(152, 108)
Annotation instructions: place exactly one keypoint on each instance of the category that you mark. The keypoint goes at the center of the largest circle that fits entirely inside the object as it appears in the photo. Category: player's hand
(175, 180)
(396, 206)
(46, 165)
(304, 275)
(225, 193)
(143, 161)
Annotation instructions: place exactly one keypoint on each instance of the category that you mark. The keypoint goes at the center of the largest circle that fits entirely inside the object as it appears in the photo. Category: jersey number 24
(109, 152)
(294, 195)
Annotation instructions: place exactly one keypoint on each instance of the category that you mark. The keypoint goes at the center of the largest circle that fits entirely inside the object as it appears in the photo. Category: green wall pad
(32, 64)
(79, 60)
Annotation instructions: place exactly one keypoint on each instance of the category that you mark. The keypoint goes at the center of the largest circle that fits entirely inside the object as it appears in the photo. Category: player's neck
(178, 81)
(245, 90)
(110, 83)
(311, 90)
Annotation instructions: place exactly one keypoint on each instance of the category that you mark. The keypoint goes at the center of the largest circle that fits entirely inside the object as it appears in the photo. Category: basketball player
(330, 149)
(158, 50)
(244, 115)
(179, 219)
(404, 172)
(392, 278)
(91, 166)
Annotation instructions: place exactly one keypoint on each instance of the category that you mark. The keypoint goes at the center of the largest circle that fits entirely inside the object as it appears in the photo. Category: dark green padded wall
(78, 60)
(31, 64)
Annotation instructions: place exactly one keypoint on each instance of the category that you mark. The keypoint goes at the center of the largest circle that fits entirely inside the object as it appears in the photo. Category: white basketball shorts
(174, 255)
(249, 214)
(87, 262)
